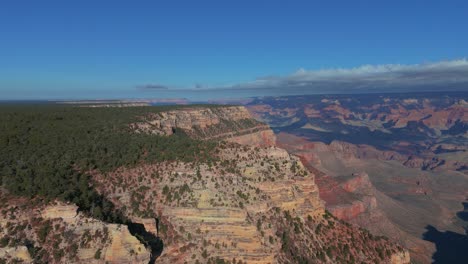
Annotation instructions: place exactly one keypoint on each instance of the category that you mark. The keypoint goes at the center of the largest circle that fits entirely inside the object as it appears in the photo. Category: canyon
(394, 164)
(249, 201)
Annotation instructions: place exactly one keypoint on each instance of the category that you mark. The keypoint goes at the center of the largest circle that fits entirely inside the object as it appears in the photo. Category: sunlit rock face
(225, 122)
(57, 233)
(235, 208)
(251, 202)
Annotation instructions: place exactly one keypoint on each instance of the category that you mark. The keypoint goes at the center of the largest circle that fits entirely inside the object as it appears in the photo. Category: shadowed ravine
(150, 240)
(463, 215)
(451, 247)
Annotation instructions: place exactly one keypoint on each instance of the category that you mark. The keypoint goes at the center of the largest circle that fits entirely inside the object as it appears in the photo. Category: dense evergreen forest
(45, 150)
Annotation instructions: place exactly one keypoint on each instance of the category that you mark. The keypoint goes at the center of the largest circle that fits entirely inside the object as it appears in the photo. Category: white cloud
(427, 76)
(437, 76)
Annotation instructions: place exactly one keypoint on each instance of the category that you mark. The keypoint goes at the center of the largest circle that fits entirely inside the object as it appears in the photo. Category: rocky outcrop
(233, 123)
(234, 208)
(57, 233)
(353, 209)
(15, 254)
(124, 247)
(358, 182)
(263, 138)
(400, 257)
(66, 212)
(348, 197)
(167, 122)
(215, 212)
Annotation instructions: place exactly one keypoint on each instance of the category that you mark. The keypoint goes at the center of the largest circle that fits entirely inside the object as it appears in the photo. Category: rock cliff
(253, 202)
(18, 253)
(233, 123)
(211, 208)
(58, 233)
(354, 198)
(250, 202)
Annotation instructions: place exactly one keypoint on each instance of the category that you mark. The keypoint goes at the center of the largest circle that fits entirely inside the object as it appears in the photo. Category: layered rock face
(429, 131)
(400, 115)
(377, 113)
(245, 205)
(232, 123)
(373, 203)
(260, 138)
(350, 197)
(211, 208)
(251, 202)
(58, 233)
(412, 146)
(236, 209)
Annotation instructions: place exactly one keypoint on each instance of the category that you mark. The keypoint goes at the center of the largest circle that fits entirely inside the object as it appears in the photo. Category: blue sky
(111, 49)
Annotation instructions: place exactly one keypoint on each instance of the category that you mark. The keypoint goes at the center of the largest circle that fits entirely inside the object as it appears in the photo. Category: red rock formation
(353, 198)
(263, 138)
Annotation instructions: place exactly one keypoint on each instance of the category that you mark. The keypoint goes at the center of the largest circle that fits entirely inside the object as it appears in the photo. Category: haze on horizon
(214, 49)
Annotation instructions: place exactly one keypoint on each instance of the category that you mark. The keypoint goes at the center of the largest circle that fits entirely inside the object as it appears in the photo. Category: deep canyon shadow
(451, 247)
(463, 215)
(149, 239)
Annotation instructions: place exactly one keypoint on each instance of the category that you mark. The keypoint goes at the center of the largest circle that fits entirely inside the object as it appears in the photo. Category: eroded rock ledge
(58, 233)
(253, 204)
(232, 123)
